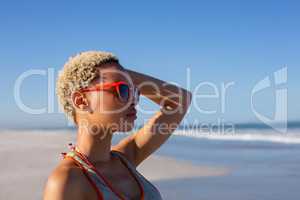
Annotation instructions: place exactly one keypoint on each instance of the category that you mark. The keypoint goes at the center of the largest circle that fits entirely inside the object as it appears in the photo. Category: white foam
(264, 136)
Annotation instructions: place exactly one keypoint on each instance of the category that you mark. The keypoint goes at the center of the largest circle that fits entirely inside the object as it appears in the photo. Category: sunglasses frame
(116, 85)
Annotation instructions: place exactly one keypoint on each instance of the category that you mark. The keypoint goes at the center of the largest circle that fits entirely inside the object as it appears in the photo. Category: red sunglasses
(123, 90)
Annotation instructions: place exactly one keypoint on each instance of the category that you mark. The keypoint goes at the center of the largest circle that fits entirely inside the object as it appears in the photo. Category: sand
(28, 157)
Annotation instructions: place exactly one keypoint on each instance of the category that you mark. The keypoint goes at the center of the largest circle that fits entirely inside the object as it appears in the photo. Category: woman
(100, 96)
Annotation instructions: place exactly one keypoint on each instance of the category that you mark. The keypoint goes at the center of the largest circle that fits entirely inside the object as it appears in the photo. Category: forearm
(161, 92)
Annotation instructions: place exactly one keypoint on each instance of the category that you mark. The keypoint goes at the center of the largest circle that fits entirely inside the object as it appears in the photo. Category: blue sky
(219, 41)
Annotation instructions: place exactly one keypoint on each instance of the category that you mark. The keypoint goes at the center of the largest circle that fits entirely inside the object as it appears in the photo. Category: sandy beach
(28, 157)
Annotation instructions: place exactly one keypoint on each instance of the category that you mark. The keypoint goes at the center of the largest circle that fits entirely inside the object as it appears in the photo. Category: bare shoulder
(66, 182)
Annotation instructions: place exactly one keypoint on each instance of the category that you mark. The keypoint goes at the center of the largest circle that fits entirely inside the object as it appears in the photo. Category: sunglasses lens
(124, 92)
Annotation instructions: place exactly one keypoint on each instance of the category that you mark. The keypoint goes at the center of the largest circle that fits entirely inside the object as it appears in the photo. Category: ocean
(265, 164)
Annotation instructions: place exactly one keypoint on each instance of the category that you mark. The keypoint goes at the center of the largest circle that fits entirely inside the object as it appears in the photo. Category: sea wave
(264, 136)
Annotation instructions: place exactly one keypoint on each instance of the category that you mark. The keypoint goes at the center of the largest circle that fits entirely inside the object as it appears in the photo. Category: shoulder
(65, 182)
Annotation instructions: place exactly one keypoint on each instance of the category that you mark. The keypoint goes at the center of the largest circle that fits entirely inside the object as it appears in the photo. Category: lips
(131, 114)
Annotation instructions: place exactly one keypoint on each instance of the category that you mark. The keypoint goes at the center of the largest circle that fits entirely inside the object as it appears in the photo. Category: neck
(96, 147)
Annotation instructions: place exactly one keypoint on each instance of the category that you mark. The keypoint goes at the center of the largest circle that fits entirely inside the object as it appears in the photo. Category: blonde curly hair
(78, 72)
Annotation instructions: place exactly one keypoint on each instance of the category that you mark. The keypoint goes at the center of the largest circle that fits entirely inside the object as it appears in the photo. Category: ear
(80, 101)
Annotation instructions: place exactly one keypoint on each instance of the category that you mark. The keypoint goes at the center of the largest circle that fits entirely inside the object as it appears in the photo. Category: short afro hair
(78, 72)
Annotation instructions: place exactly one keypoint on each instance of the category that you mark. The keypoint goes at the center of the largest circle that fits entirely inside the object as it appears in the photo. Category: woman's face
(106, 111)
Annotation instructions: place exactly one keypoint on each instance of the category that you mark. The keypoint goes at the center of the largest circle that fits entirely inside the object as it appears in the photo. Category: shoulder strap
(124, 159)
(88, 176)
(131, 169)
(103, 191)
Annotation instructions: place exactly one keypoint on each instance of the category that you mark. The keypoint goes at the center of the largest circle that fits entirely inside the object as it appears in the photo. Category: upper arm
(62, 185)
